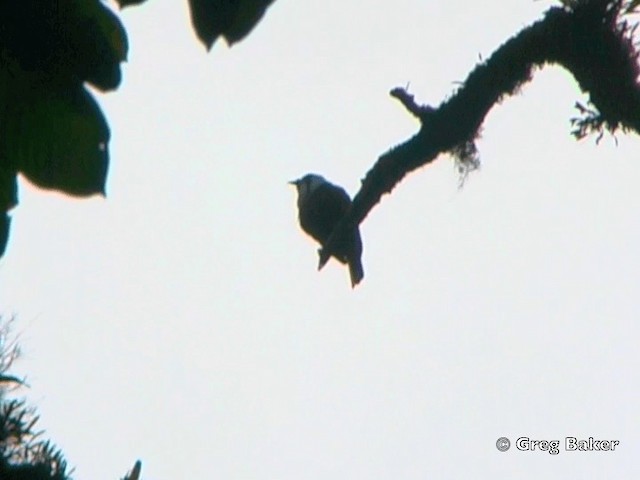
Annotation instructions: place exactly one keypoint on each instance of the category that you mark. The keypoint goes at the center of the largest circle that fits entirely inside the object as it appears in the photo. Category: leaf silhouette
(127, 3)
(5, 223)
(58, 139)
(231, 19)
(79, 40)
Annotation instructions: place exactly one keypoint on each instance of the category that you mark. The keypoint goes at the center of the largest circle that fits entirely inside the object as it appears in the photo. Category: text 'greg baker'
(571, 444)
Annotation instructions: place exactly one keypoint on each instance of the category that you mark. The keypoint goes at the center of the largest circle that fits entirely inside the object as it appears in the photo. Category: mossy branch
(590, 39)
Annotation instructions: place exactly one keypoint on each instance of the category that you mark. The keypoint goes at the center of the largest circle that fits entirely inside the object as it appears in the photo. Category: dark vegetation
(51, 128)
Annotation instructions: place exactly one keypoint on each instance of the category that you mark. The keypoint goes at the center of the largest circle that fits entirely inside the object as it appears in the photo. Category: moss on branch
(591, 39)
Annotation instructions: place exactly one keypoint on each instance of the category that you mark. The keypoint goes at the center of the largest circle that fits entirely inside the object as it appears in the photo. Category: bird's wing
(325, 209)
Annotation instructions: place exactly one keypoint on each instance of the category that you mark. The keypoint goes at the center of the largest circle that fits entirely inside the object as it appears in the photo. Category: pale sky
(182, 321)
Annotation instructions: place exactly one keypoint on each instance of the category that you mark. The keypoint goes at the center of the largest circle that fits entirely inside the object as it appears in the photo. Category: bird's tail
(355, 271)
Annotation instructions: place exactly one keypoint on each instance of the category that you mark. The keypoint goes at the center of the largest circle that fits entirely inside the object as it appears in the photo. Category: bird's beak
(293, 182)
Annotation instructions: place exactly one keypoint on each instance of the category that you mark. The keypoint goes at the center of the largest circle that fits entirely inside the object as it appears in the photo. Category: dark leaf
(58, 138)
(8, 199)
(249, 13)
(127, 3)
(8, 186)
(5, 223)
(79, 40)
(211, 17)
(101, 44)
(134, 474)
(231, 19)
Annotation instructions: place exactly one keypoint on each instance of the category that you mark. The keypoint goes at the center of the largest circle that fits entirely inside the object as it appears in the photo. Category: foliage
(229, 19)
(52, 131)
(23, 454)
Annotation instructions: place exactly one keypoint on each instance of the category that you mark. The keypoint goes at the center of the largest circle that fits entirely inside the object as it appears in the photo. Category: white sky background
(182, 320)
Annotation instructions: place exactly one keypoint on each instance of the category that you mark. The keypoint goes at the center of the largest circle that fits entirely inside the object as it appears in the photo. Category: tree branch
(404, 97)
(589, 40)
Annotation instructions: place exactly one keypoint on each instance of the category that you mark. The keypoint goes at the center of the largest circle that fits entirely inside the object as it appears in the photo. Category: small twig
(134, 474)
(407, 101)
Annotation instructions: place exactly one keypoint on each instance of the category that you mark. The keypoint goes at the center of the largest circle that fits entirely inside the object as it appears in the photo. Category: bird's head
(307, 184)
